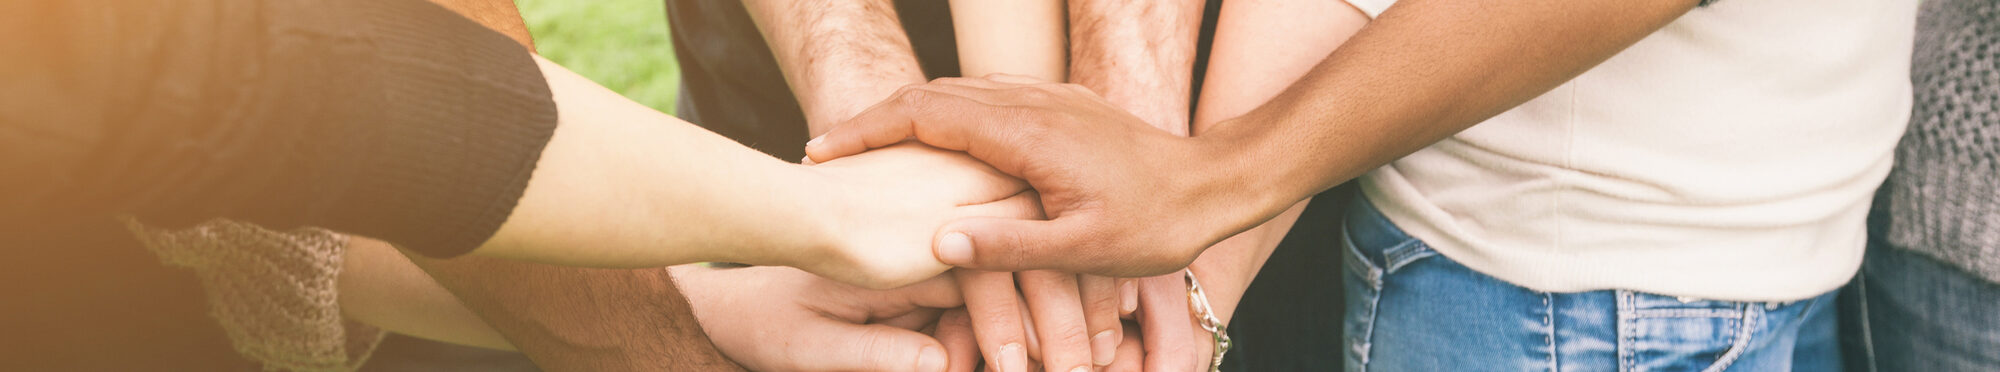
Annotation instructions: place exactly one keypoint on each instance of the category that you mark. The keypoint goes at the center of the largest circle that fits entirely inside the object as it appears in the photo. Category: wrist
(1223, 283)
(809, 208)
(1235, 155)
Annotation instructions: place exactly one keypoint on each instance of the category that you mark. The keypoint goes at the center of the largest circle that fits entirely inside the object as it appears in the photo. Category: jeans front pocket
(1661, 333)
(1373, 248)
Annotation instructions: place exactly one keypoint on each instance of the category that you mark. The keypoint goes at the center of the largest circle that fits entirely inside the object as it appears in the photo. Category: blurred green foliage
(621, 44)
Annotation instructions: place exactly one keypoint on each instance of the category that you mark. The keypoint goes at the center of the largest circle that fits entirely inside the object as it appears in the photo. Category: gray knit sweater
(1944, 195)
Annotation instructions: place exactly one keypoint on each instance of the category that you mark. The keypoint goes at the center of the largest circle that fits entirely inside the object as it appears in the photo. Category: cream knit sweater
(274, 293)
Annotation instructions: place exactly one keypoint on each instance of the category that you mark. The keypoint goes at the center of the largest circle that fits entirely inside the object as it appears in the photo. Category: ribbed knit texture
(392, 119)
(1944, 195)
(276, 294)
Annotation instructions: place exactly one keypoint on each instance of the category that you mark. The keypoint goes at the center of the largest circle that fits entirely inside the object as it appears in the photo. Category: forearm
(381, 287)
(1012, 37)
(621, 185)
(1139, 55)
(1421, 72)
(839, 56)
(1260, 48)
(575, 319)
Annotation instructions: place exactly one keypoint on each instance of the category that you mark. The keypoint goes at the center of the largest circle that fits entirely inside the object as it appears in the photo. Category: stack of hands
(1023, 295)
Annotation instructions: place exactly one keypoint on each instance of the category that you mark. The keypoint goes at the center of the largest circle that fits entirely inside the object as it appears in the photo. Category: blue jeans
(1412, 309)
(1916, 314)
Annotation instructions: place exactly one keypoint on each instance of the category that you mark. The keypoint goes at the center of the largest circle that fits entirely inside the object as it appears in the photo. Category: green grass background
(621, 44)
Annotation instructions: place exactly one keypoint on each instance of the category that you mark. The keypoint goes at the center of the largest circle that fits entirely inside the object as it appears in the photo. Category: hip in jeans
(1412, 309)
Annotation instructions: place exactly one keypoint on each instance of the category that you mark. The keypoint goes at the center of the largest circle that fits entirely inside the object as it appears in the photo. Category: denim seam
(1367, 344)
(1626, 329)
(1549, 329)
(1867, 327)
(1358, 262)
(1685, 313)
(1403, 254)
(1743, 338)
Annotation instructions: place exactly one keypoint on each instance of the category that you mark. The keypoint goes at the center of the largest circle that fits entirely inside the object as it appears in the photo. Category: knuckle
(1071, 332)
(997, 313)
(914, 95)
(878, 344)
(1104, 304)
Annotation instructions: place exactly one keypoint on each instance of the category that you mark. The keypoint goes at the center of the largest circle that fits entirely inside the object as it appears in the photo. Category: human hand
(782, 319)
(1066, 321)
(1125, 199)
(1173, 339)
(1161, 335)
(887, 205)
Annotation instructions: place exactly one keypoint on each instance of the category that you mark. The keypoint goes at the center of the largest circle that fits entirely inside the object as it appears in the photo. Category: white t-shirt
(1731, 155)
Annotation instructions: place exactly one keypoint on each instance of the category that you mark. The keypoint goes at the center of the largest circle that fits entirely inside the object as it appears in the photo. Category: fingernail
(1103, 348)
(1081, 369)
(1128, 297)
(808, 160)
(955, 248)
(931, 359)
(815, 140)
(1013, 358)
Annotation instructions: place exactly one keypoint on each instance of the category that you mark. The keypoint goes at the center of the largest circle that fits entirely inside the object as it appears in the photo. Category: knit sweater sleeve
(393, 119)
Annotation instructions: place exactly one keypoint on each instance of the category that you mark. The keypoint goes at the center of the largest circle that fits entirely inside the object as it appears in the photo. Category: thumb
(874, 347)
(1004, 244)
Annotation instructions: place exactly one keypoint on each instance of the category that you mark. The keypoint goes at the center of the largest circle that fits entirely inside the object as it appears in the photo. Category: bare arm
(1261, 47)
(491, 289)
(622, 185)
(1138, 54)
(1012, 37)
(381, 287)
(839, 56)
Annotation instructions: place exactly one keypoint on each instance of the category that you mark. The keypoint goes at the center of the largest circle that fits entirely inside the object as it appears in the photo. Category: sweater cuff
(467, 115)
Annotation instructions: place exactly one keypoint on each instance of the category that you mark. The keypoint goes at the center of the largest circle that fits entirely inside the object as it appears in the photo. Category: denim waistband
(1367, 227)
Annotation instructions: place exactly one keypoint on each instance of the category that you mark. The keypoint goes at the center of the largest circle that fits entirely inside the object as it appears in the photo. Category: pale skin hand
(767, 318)
(1261, 46)
(621, 185)
(1157, 201)
(782, 319)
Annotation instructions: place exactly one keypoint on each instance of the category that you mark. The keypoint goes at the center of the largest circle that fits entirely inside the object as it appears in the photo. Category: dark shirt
(393, 119)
